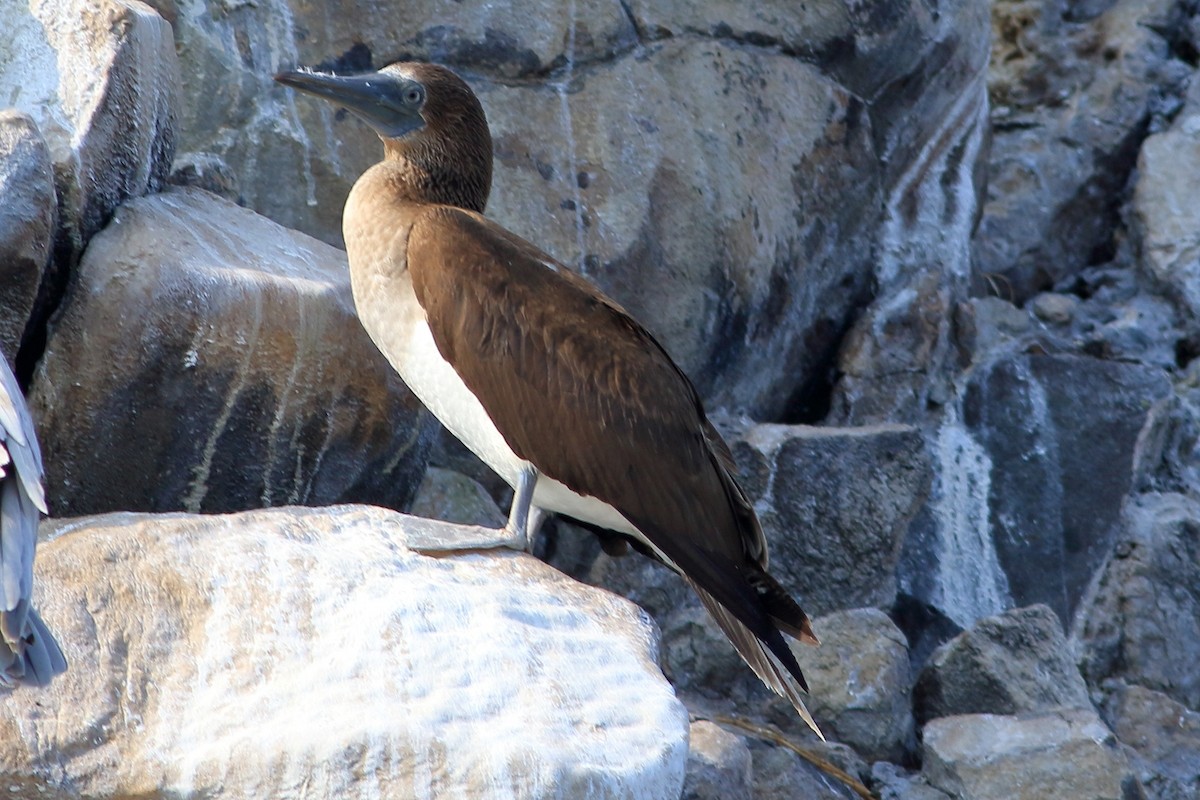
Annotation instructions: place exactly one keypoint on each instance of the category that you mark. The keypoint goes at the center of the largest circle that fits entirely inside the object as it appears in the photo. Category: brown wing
(526, 334)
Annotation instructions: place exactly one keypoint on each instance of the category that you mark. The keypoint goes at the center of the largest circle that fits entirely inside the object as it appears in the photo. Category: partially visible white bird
(29, 655)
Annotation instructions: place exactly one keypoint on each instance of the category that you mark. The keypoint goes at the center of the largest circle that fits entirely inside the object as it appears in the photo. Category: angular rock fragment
(861, 683)
(1013, 663)
(1066, 753)
(719, 766)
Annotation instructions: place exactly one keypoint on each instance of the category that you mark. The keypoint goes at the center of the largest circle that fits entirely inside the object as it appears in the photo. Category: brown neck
(453, 170)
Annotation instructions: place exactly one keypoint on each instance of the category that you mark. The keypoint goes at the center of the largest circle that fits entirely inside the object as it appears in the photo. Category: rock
(718, 766)
(205, 649)
(890, 782)
(1044, 424)
(27, 222)
(110, 118)
(1065, 753)
(1054, 309)
(1142, 621)
(1013, 663)
(1072, 100)
(780, 774)
(860, 683)
(890, 362)
(451, 496)
(835, 504)
(209, 360)
(1164, 737)
(1165, 222)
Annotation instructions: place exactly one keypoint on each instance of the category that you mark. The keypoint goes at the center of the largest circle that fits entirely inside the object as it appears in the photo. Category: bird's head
(427, 117)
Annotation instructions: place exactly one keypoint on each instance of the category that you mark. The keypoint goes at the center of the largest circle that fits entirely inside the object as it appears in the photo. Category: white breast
(396, 323)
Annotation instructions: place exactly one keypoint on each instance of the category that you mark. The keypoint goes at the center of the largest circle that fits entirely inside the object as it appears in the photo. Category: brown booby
(549, 381)
(29, 655)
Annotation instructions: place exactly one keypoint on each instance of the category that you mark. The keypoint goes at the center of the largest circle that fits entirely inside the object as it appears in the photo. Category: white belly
(408, 344)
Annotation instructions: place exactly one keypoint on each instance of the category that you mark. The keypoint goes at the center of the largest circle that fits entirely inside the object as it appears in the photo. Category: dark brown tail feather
(785, 612)
(766, 665)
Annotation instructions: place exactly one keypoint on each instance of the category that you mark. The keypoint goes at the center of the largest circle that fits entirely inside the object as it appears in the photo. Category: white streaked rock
(309, 652)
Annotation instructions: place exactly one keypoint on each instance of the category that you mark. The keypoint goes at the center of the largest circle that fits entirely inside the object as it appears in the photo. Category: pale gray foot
(431, 535)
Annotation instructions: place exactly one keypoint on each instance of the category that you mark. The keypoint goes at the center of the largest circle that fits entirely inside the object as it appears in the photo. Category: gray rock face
(861, 683)
(893, 783)
(451, 496)
(1046, 423)
(835, 505)
(1072, 98)
(28, 213)
(210, 360)
(109, 117)
(780, 774)
(1165, 220)
(719, 766)
(1013, 663)
(275, 653)
(1065, 753)
(1142, 623)
(1164, 737)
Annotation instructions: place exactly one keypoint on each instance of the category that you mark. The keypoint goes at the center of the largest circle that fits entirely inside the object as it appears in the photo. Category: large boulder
(101, 80)
(28, 213)
(294, 651)
(208, 359)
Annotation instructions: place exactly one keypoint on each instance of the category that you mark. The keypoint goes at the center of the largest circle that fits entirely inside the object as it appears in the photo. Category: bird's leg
(517, 528)
(433, 536)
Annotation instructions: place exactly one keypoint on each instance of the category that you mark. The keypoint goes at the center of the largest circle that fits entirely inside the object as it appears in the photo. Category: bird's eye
(414, 95)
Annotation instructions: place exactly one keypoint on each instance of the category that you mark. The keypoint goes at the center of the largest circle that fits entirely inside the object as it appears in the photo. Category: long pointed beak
(371, 97)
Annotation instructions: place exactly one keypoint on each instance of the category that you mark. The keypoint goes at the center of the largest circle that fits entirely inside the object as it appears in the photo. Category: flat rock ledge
(309, 652)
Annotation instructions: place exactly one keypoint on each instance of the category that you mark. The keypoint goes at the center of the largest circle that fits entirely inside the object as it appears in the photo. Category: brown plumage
(539, 372)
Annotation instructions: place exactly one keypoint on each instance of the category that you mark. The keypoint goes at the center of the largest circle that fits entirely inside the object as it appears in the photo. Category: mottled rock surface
(1143, 622)
(718, 766)
(1074, 92)
(101, 80)
(451, 496)
(1164, 737)
(28, 213)
(1165, 220)
(292, 651)
(780, 774)
(208, 359)
(1013, 663)
(1065, 753)
(1046, 423)
(835, 504)
(861, 683)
